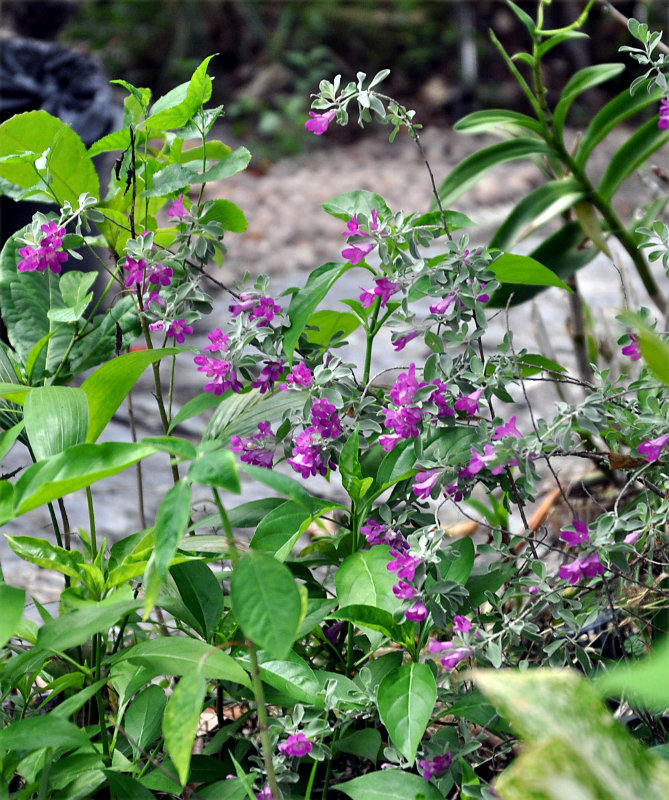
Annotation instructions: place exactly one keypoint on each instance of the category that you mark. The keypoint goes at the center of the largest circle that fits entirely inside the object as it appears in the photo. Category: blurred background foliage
(272, 54)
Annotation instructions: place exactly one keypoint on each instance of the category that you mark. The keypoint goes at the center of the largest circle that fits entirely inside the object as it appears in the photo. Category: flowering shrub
(339, 642)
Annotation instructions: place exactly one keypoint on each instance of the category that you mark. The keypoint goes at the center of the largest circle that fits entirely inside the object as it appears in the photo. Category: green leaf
(196, 405)
(227, 214)
(142, 718)
(178, 106)
(583, 79)
(345, 205)
(46, 555)
(389, 784)
(74, 468)
(291, 676)
(363, 579)
(259, 586)
(170, 179)
(278, 526)
(636, 150)
(471, 169)
(328, 325)
(12, 601)
(364, 743)
(239, 414)
(36, 732)
(305, 301)
(108, 386)
(56, 417)
(571, 737)
(283, 484)
(377, 619)
(457, 560)
(170, 656)
(122, 785)
(351, 472)
(512, 268)
(610, 116)
(406, 699)
(497, 118)
(181, 719)
(201, 593)
(8, 437)
(540, 205)
(557, 39)
(74, 288)
(73, 628)
(71, 170)
(216, 468)
(523, 16)
(228, 166)
(112, 142)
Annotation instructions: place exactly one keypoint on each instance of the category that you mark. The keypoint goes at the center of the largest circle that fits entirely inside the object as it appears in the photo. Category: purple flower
(403, 590)
(269, 373)
(478, 462)
(579, 535)
(324, 419)
(508, 430)
(297, 745)
(425, 482)
(453, 491)
(53, 235)
(633, 349)
(651, 448)
(255, 450)
(663, 122)
(403, 421)
(405, 387)
(265, 793)
(469, 403)
(179, 330)
(434, 767)
(417, 612)
(218, 339)
(261, 309)
(461, 624)
(374, 532)
(404, 565)
(587, 567)
(306, 458)
(31, 261)
(161, 275)
(384, 289)
(177, 209)
(442, 306)
(319, 123)
(454, 652)
(355, 253)
(222, 372)
(403, 341)
(135, 270)
(632, 537)
(533, 589)
(437, 397)
(299, 376)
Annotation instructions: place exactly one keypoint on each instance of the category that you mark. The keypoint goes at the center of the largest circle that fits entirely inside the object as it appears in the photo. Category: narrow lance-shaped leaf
(56, 417)
(181, 718)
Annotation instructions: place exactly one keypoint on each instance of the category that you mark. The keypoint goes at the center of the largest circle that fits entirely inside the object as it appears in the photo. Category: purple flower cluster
(663, 122)
(454, 653)
(383, 287)
(300, 375)
(47, 254)
(578, 536)
(405, 566)
(296, 745)
(307, 456)
(434, 767)
(650, 449)
(378, 533)
(584, 567)
(260, 309)
(268, 376)
(223, 374)
(259, 449)
(403, 421)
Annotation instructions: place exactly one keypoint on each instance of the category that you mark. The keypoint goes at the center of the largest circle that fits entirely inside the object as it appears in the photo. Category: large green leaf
(305, 301)
(12, 601)
(108, 386)
(495, 119)
(612, 114)
(181, 719)
(239, 414)
(71, 170)
(36, 732)
(285, 485)
(216, 468)
(636, 151)
(41, 552)
(201, 593)
(364, 579)
(516, 269)
(259, 586)
(537, 207)
(406, 699)
(171, 520)
(178, 107)
(169, 655)
(583, 79)
(142, 717)
(570, 733)
(471, 169)
(324, 326)
(278, 526)
(56, 417)
(389, 784)
(291, 676)
(377, 619)
(644, 682)
(227, 214)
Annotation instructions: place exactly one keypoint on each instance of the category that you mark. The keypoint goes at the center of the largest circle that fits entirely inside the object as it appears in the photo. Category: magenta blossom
(461, 624)
(478, 462)
(401, 342)
(403, 421)
(508, 430)
(453, 491)
(632, 537)
(306, 458)
(405, 387)
(651, 448)
(177, 209)
(587, 567)
(218, 339)
(324, 419)
(469, 403)
(356, 252)
(268, 375)
(319, 123)
(296, 745)
(579, 535)
(417, 612)
(454, 653)
(259, 449)
(299, 376)
(425, 482)
(135, 270)
(404, 565)
(222, 372)
(663, 122)
(442, 306)
(434, 767)
(160, 275)
(633, 349)
(179, 330)
(384, 289)
(403, 590)
(374, 531)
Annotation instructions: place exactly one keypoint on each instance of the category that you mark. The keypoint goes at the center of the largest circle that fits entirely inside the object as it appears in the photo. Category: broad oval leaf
(389, 784)
(524, 270)
(406, 699)
(56, 417)
(259, 586)
(364, 579)
(201, 593)
(291, 676)
(216, 468)
(142, 717)
(181, 720)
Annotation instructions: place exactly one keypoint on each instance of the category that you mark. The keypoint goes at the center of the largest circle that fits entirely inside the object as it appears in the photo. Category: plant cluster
(333, 650)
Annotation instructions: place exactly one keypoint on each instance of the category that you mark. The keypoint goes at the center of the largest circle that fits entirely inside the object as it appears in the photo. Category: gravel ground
(288, 235)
